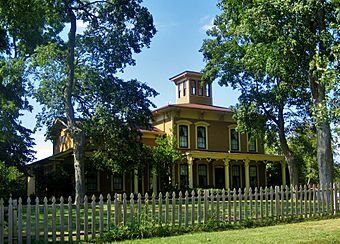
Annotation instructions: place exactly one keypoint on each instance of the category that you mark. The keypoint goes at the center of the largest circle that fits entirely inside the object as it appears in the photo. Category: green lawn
(323, 231)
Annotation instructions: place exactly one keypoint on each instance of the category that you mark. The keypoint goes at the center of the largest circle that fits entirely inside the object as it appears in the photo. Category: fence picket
(223, 205)
(205, 206)
(108, 212)
(229, 206)
(186, 209)
(305, 200)
(19, 221)
(54, 220)
(234, 204)
(69, 219)
(146, 206)
(240, 204)
(166, 217)
(124, 210)
(62, 234)
(199, 211)
(251, 203)
(86, 218)
(101, 213)
(37, 219)
(245, 203)
(10, 221)
(160, 210)
(180, 209)
(314, 201)
(287, 201)
(277, 201)
(46, 220)
(132, 210)
(28, 221)
(193, 207)
(139, 206)
(218, 207)
(153, 208)
(78, 218)
(116, 202)
(261, 203)
(173, 203)
(256, 204)
(266, 199)
(335, 198)
(93, 217)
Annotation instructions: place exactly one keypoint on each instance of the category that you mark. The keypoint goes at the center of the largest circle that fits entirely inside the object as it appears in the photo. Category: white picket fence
(64, 221)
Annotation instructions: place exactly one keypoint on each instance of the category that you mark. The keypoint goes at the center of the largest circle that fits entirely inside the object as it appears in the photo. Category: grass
(322, 231)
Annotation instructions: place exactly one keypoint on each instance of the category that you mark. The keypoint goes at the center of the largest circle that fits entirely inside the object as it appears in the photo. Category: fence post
(15, 220)
(93, 217)
(37, 213)
(146, 201)
(70, 213)
(86, 218)
(78, 200)
(153, 206)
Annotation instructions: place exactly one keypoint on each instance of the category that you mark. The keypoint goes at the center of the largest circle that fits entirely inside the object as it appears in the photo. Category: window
(184, 88)
(207, 90)
(179, 90)
(117, 182)
(251, 143)
(194, 87)
(234, 140)
(236, 176)
(253, 176)
(91, 181)
(183, 136)
(202, 175)
(184, 179)
(200, 89)
(201, 137)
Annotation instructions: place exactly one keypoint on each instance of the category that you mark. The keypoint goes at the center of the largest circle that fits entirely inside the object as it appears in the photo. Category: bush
(12, 182)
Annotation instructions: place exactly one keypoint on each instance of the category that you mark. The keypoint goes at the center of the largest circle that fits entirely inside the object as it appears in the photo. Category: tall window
(234, 140)
(200, 89)
(253, 176)
(201, 137)
(251, 143)
(202, 175)
(194, 87)
(207, 90)
(91, 181)
(184, 88)
(183, 136)
(117, 182)
(179, 90)
(236, 176)
(184, 179)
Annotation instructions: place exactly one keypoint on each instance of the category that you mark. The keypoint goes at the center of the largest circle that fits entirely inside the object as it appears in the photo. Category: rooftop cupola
(191, 89)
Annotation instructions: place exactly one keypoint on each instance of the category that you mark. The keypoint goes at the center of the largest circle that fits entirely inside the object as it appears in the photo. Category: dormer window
(207, 89)
(184, 88)
(194, 88)
(200, 90)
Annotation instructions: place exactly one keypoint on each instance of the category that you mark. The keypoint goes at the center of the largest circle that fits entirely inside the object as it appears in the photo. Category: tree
(267, 50)
(21, 25)
(77, 75)
(165, 155)
(12, 182)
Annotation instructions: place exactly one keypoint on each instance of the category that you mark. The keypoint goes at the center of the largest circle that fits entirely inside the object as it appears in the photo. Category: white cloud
(208, 23)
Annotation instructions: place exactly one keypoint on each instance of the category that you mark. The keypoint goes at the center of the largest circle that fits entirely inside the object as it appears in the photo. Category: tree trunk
(76, 133)
(289, 155)
(324, 144)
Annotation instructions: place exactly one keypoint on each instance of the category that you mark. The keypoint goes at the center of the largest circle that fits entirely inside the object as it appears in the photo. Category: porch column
(283, 172)
(191, 181)
(246, 173)
(135, 182)
(154, 181)
(226, 172)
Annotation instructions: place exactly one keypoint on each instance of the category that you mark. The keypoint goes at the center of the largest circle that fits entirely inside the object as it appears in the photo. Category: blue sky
(181, 29)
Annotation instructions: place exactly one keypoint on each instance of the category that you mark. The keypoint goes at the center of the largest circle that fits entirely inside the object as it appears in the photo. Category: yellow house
(216, 155)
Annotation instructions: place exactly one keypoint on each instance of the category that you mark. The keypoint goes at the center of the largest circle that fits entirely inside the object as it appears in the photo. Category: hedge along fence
(62, 220)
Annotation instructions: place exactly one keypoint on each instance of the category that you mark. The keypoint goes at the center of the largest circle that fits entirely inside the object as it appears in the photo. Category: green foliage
(165, 155)
(12, 182)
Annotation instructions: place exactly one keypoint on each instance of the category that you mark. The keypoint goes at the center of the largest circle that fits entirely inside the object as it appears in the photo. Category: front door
(219, 178)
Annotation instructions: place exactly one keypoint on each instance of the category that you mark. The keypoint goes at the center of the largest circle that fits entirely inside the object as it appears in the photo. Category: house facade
(216, 155)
